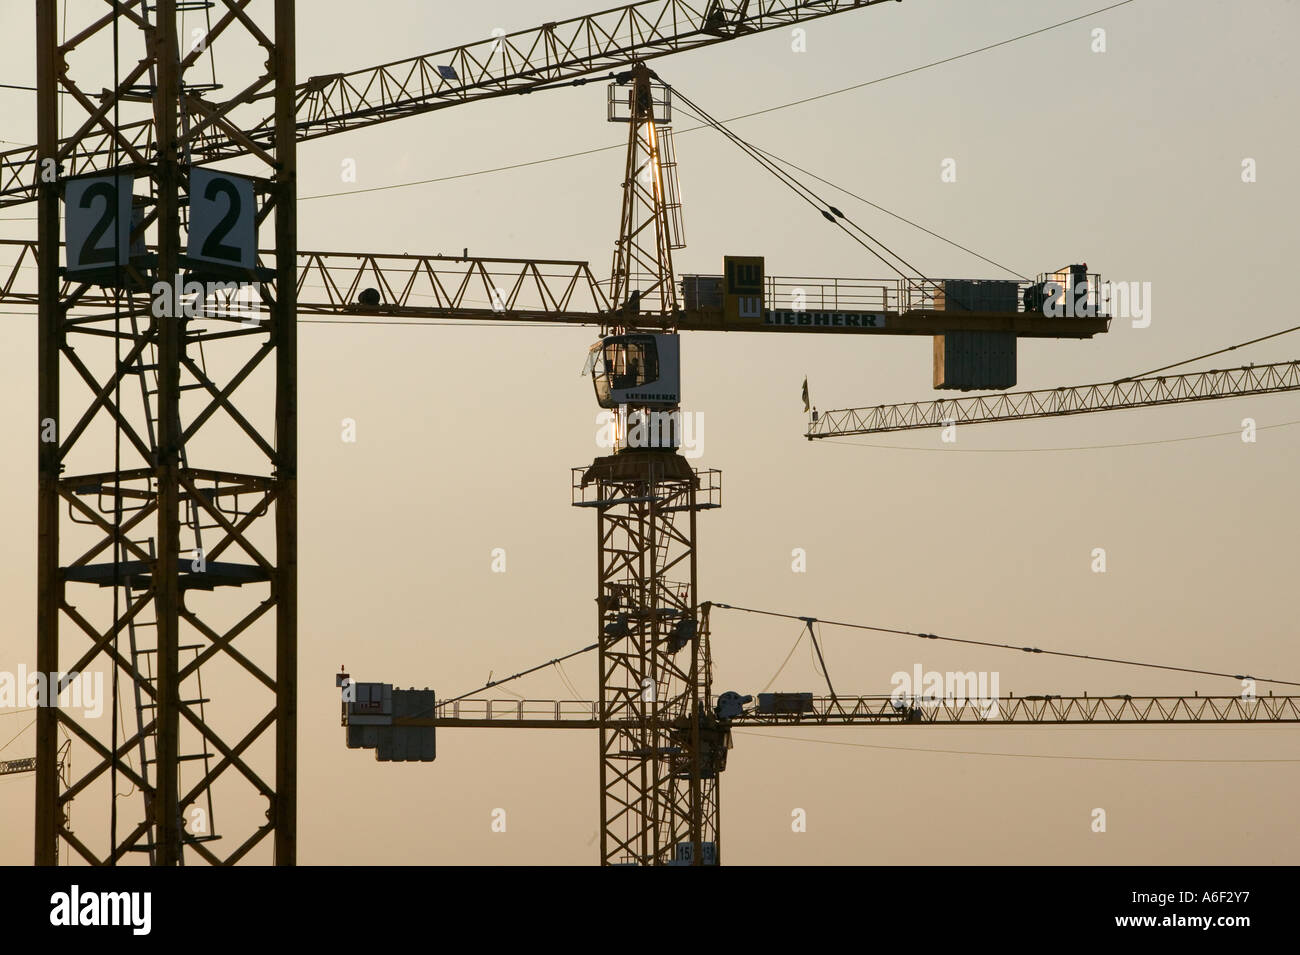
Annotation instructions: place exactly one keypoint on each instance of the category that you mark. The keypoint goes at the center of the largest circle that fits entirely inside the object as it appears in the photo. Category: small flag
(805, 393)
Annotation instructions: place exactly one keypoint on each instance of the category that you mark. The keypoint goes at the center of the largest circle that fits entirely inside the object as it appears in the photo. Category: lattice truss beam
(167, 477)
(535, 290)
(1053, 402)
(366, 283)
(658, 762)
(875, 710)
(842, 710)
(562, 291)
(242, 122)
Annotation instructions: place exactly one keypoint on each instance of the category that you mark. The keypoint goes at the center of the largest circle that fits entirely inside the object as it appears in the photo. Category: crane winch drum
(638, 371)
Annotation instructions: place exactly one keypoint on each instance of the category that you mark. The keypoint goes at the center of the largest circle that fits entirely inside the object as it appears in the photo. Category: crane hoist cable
(760, 112)
(30, 724)
(781, 668)
(563, 682)
(821, 660)
(1188, 361)
(507, 679)
(1002, 646)
(809, 621)
(880, 208)
(557, 663)
(119, 552)
(810, 196)
(121, 717)
(824, 208)
(564, 678)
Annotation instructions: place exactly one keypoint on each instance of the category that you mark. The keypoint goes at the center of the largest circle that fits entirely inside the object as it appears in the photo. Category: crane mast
(661, 750)
(642, 288)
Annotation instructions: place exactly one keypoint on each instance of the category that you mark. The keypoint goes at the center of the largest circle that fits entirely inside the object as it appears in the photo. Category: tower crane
(129, 543)
(128, 285)
(664, 734)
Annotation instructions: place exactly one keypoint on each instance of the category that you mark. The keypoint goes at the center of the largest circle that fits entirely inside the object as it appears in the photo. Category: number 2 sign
(98, 221)
(223, 225)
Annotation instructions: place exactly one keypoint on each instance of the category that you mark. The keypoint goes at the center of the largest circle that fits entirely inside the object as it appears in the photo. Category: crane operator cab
(637, 371)
(638, 378)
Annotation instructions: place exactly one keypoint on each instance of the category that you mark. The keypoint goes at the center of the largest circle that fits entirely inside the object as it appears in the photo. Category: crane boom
(518, 62)
(556, 51)
(877, 710)
(1055, 402)
(559, 291)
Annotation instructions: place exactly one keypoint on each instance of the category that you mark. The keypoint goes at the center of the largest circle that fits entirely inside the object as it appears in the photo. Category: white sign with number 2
(223, 218)
(98, 221)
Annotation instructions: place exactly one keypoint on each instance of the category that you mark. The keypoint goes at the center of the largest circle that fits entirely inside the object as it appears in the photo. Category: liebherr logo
(129, 909)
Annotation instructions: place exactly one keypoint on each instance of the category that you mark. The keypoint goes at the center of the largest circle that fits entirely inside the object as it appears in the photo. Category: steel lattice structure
(884, 710)
(337, 102)
(148, 528)
(560, 291)
(661, 750)
(641, 274)
(135, 530)
(157, 525)
(121, 579)
(1054, 402)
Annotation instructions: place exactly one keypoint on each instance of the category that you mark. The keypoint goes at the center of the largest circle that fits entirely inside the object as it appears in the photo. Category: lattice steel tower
(167, 479)
(661, 747)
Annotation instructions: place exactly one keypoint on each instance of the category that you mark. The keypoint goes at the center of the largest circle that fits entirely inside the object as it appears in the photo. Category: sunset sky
(1129, 159)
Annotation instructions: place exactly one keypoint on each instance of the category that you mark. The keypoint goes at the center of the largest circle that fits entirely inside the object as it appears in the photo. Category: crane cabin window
(619, 363)
(633, 361)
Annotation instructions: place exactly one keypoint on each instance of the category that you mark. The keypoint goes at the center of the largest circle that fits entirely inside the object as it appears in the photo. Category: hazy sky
(1129, 159)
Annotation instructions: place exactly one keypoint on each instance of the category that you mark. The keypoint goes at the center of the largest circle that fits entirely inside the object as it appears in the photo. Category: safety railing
(518, 710)
(585, 490)
(1049, 294)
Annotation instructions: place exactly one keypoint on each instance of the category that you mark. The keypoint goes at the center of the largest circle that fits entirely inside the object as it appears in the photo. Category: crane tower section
(650, 225)
(167, 516)
(662, 747)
